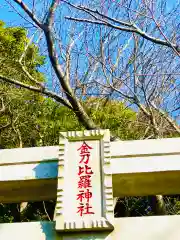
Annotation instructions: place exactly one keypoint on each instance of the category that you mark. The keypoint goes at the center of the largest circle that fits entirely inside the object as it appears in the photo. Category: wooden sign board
(84, 191)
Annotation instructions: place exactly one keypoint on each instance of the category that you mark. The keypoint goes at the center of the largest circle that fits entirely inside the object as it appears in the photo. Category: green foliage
(113, 115)
(37, 121)
(13, 41)
(51, 119)
(20, 104)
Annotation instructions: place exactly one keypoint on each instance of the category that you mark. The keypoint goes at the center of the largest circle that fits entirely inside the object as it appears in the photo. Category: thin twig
(39, 90)
(46, 211)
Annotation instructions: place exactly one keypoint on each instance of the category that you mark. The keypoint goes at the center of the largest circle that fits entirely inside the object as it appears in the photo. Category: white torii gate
(111, 169)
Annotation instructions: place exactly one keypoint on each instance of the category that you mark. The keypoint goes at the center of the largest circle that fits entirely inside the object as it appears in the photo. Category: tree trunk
(157, 205)
(14, 208)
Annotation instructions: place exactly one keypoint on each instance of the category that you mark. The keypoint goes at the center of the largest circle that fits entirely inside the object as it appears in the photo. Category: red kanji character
(81, 170)
(88, 195)
(84, 182)
(84, 152)
(81, 209)
(84, 210)
(87, 209)
(81, 195)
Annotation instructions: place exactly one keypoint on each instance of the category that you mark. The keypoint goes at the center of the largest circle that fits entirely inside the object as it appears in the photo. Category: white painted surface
(41, 163)
(145, 164)
(140, 228)
(147, 228)
(27, 155)
(71, 190)
(133, 173)
(31, 171)
(27, 231)
(48, 169)
(146, 147)
(119, 148)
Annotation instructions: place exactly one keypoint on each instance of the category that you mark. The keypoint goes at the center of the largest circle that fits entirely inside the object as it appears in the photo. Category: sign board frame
(105, 221)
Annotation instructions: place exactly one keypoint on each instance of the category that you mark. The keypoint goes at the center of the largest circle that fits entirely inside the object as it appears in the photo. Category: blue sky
(11, 18)
(7, 16)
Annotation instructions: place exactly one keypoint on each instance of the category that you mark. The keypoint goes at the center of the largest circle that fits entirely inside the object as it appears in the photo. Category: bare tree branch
(50, 16)
(44, 206)
(11, 5)
(169, 120)
(3, 108)
(39, 90)
(17, 131)
(132, 27)
(47, 28)
(31, 77)
(101, 22)
(29, 12)
(6, 111)
(160, 30)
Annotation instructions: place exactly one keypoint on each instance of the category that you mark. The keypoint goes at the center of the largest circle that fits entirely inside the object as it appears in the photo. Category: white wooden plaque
(84, 191)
